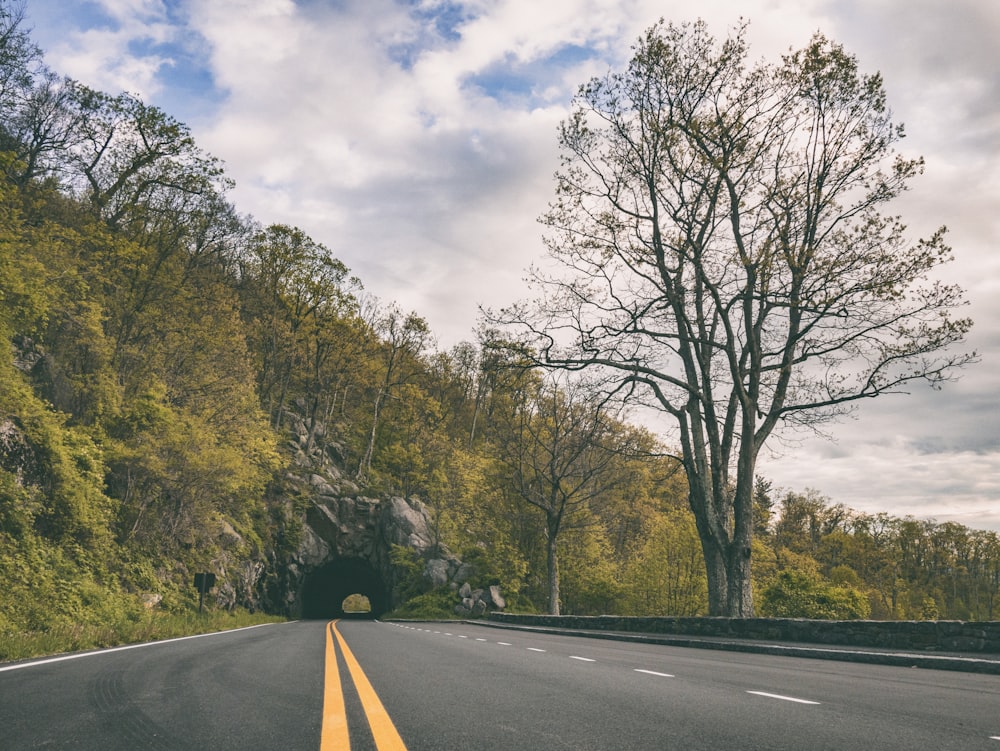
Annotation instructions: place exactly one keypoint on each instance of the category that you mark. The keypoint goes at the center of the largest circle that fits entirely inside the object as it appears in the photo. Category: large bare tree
(722, 254)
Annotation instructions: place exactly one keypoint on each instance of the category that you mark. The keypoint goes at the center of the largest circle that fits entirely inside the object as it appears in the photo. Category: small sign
(203, 582)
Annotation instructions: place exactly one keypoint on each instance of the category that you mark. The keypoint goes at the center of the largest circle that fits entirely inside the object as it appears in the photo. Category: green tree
(794, 594)
(668, 576)
(559, 445)
(299, 303)
(727, 260)
(403, 340)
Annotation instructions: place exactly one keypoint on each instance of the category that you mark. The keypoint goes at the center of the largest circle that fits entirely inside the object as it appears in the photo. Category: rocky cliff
(347, 538)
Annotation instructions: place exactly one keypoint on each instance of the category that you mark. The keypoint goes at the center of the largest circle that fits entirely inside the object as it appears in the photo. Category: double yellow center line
(335, 735)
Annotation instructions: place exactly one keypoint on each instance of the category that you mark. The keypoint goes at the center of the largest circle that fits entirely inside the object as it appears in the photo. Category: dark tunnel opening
(325, 589)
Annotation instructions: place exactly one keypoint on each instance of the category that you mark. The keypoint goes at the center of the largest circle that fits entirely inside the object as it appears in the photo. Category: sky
(417, 140)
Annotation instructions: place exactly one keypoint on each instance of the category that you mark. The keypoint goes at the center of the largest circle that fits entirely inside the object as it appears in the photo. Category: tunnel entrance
(325, 590)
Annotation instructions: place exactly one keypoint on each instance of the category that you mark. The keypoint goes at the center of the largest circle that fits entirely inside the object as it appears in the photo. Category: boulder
(496, 598)
(436, 572)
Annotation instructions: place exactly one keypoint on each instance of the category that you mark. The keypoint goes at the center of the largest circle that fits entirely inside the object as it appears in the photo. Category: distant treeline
(158, 342)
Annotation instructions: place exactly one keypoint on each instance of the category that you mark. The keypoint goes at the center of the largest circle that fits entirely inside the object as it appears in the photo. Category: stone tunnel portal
(325, 589)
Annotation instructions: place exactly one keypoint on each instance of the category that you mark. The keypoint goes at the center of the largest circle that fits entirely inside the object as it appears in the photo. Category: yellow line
(334, 736)
(383, 731)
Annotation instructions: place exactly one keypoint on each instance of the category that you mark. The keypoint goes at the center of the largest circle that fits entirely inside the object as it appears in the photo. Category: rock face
(347, 538)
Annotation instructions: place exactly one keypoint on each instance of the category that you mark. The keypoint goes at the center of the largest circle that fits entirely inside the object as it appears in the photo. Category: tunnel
(325, 589)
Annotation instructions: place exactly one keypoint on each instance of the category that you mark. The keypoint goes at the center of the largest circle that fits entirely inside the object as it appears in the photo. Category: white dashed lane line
(782, 698)
(535, 649)
(653, 672)
(581, 659)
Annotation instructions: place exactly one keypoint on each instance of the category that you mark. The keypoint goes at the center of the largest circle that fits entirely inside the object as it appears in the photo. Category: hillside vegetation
(156, 341)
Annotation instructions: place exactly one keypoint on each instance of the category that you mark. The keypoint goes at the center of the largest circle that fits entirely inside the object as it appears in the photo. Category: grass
(60, 638)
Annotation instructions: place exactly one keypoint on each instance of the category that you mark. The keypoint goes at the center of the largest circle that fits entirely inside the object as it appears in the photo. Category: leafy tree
(133, 161)
(559, 446)
(728, 262)
(588, 573)
(298, 300)
(797, 595)
(41, 128)
(18, 53)
(668, 576)
(404, 339)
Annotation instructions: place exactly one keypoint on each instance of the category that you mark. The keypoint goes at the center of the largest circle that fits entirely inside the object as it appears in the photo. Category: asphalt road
(456, 686)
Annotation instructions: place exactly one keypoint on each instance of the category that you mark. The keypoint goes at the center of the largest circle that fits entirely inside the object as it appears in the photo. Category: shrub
(793, 594)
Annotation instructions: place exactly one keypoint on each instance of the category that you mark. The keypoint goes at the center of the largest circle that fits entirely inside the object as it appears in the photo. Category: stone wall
(944, 636)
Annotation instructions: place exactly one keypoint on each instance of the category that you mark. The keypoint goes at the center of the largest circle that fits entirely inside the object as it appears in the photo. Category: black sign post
(203, 582)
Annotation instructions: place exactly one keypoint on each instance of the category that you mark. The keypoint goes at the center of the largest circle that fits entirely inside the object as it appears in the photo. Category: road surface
(360, 685)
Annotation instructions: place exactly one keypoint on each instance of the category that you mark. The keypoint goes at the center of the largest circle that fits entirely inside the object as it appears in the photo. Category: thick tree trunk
(739, 594)
(715, 568)
(727, 558)
(738, 553)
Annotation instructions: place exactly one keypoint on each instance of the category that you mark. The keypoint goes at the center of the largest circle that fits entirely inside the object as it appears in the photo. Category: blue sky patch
(512, 80)
(187, 90)
(446, 19)
(504, 81)
(438, 25)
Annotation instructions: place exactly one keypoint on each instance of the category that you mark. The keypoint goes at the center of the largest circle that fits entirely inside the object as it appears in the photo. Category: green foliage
(668, 575)
(435, 605)
(588, 574)
(126, 628)
(409, 568)
(794, 594)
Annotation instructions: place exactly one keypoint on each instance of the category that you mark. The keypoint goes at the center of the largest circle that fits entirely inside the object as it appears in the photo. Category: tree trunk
(727, 558)
(365, 467)
(739, 593)
(717, 577)
(553, 571)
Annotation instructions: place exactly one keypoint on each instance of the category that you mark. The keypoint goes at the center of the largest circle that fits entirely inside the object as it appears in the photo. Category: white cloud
(105, 57)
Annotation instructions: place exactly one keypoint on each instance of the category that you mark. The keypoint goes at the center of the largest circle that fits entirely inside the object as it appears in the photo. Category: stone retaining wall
(944, 636)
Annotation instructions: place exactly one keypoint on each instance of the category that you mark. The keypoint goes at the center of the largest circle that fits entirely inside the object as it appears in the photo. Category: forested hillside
(157, 340)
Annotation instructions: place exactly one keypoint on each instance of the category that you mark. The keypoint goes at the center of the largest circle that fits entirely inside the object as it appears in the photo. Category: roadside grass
(154, 626)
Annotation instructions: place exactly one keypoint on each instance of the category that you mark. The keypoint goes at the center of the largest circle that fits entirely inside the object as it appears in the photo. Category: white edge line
(653, 672)
(78, 655)
(783, 698)
(581, 659)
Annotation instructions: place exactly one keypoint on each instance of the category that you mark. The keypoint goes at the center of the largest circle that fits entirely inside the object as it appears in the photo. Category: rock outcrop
(341, 523)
